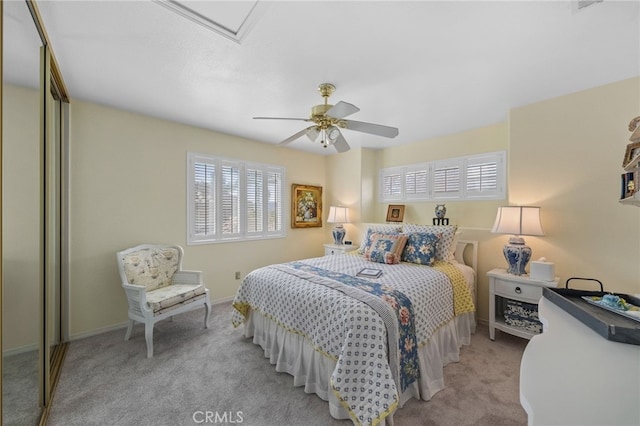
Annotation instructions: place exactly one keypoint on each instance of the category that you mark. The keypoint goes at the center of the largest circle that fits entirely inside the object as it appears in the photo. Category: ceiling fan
(328, 119)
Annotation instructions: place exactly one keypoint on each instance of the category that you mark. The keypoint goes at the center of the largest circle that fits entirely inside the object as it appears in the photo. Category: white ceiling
(428, 68)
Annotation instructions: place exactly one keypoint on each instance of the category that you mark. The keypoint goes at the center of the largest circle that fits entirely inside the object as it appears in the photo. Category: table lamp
(517, 221)
(338, 215)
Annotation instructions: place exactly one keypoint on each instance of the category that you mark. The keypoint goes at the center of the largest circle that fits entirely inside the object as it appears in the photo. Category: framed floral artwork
(306, 206)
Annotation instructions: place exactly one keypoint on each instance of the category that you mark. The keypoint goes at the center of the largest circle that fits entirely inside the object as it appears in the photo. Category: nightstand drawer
(518, 291)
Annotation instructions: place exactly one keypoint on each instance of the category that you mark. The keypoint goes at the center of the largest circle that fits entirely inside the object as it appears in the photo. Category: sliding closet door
(22, 218)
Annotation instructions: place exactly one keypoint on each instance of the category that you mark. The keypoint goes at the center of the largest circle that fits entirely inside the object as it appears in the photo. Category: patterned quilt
(306, 298)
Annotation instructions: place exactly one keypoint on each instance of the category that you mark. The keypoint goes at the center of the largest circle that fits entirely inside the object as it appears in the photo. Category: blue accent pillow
(421, 248)
(381, 256)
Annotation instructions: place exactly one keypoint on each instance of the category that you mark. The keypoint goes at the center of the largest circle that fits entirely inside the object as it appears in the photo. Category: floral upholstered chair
(158, 288)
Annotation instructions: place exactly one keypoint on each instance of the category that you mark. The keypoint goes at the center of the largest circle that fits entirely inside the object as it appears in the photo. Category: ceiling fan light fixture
(312, 133)
(333, 133)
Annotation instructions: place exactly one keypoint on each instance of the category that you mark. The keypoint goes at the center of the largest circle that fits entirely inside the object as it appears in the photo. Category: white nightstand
(504, 287)
(338, 248)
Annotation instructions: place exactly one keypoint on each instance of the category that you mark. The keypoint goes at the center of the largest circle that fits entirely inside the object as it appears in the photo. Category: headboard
(467, 253)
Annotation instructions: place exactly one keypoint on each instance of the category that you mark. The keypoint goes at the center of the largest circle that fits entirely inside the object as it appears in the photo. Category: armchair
(157, 288)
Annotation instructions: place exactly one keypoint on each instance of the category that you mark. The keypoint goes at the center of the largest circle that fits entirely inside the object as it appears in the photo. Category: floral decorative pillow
(381, 256)
(382, 228)
(445, 232)
(386, 248)
(421, 248)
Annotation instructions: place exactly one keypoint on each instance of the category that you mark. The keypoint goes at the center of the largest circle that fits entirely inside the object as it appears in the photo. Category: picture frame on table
(395, 213)
(633, 150)
(306, 206)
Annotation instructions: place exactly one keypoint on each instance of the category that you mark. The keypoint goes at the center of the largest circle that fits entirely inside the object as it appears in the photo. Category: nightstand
(503, 288)
(338, 248)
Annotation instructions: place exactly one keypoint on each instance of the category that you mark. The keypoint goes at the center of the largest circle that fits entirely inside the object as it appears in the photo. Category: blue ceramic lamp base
(518, 256)
(338, 234)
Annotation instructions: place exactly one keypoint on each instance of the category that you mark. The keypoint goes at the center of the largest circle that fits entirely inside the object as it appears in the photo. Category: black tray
(609, 325)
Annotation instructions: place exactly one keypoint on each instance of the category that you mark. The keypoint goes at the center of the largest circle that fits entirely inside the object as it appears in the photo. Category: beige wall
(128, 181)
(21, 206)
(343, 189)
(128, 186)
(474, 218)
(566, 156)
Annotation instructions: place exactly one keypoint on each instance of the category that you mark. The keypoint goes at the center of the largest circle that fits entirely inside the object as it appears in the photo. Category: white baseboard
(122, 325)
(20, 350)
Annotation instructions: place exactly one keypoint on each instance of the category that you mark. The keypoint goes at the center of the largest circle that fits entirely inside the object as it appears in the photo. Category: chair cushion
(172, 296)
(151, 267)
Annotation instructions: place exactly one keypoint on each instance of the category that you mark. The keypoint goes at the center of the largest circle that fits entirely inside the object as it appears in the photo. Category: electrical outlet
(237, 275)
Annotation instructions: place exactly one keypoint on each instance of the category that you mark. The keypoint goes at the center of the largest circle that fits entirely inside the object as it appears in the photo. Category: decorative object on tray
(338, 215)
(306, 206)
(518, 221)
(634, 126)
(395, 213)
(369, 273)
(440, 219)
(614, 303)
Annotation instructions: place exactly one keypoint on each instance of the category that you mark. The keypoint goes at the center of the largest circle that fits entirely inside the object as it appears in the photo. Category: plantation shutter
(446, 179)
(275, 183)
(230, 199)
(483, 176)
(204, 195)
(416, 180)
(254, 200)
(391, 186)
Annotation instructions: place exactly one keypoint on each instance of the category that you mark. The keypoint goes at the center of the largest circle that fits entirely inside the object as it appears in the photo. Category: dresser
(570, 375)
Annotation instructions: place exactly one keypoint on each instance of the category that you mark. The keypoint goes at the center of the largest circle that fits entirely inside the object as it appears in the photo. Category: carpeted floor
(216, 372)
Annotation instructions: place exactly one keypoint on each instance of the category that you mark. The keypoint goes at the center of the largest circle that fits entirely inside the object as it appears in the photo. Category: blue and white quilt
(372, 328)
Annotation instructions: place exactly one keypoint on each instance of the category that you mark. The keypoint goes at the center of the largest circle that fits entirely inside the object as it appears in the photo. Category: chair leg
(129, 329)
(148, 335)
(206, 314)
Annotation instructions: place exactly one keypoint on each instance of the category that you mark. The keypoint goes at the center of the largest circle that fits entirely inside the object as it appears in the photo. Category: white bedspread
(349, 332)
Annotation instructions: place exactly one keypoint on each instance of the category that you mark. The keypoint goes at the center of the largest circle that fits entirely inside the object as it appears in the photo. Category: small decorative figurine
(441, 211)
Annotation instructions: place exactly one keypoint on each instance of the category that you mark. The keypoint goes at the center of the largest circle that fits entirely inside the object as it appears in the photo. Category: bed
(366, 344)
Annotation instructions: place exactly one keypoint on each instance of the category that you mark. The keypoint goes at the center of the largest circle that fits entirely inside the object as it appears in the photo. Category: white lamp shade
(518, 220)
(338, 215)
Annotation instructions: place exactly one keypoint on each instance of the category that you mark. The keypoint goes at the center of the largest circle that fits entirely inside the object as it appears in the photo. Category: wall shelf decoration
(630, 179)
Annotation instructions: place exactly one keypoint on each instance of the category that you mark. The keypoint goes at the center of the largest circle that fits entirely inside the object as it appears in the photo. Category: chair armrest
(137, 298)
(187, 277)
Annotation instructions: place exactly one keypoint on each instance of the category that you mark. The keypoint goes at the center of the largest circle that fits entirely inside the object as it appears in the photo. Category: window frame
(460, 191)
(273, 179)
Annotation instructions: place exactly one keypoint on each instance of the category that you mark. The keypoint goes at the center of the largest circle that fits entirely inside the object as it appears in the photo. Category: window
(233, 200)
(464, 178)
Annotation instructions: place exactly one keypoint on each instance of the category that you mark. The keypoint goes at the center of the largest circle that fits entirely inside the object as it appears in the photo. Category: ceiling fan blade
(280, 118)
(342, 109)
(295, 136)
(341, 144)
(374, 129)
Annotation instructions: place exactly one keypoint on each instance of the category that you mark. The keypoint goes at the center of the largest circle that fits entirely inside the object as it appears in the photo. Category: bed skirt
(294, 354)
